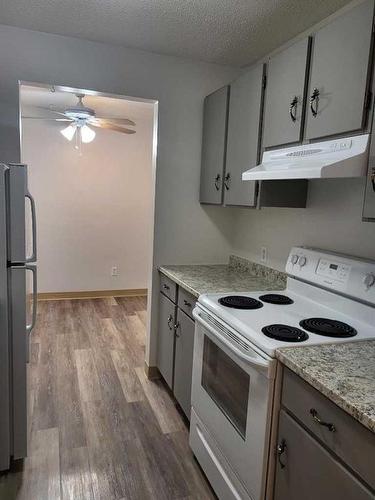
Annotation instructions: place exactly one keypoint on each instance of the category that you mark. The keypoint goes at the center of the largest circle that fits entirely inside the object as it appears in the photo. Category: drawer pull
(166, 287)
(186, 303)
(280, 450)
(318, 420)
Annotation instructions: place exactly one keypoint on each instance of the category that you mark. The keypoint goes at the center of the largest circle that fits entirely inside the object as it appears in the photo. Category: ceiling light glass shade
(87, 134)
(69, 132)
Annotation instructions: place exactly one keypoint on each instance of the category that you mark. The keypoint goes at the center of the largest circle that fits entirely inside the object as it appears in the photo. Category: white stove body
(233, 389)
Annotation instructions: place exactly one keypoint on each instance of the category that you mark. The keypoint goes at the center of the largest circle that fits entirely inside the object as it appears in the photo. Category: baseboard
(93, 294)
(152, 372)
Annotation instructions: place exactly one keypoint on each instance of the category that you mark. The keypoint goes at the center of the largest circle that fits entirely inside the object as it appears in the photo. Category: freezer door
(21, 208)
(17, 310)
(4, 332)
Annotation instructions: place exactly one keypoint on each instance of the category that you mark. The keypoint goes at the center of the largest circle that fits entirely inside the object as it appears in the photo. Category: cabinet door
(340, 61)
(243, 137)
(214, 146)
(184, 361)
(166, 338)
(310, 472)
(284, 97)
(369, 201)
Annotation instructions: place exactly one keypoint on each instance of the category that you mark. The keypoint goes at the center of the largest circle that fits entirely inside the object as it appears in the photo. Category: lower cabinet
(183, 361)
(305, 470)
(167, 319)
(322, 453)
(176, 343)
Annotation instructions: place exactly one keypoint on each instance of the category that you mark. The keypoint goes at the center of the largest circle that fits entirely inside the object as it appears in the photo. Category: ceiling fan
(80, 117)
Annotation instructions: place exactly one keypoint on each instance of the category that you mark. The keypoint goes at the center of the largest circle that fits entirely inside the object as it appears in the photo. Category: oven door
(232, 395)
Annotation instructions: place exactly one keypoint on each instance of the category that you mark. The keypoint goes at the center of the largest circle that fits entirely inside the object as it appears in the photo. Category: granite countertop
(345, 373)
(239, 275)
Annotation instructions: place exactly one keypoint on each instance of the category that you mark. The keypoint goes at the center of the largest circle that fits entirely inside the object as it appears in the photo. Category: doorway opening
(91, 168)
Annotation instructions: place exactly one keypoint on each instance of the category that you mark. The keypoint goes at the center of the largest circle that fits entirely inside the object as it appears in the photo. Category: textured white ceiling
(233, 32)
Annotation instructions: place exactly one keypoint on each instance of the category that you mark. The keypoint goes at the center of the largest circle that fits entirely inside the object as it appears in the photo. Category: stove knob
(302, 261)
(294, 259)
(369, 280)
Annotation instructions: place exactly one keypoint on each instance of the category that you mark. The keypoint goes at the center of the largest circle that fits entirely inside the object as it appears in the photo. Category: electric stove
(328, 298)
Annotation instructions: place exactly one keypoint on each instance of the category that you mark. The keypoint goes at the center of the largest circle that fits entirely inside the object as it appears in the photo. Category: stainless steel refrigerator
(18, 303)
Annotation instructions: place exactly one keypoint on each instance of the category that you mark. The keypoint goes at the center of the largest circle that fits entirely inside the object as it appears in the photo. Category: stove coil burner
(240, 302)
(276, 298)
(328, 327)
(285, 333)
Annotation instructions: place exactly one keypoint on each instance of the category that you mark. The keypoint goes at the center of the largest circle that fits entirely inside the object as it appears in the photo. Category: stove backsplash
(243, 265)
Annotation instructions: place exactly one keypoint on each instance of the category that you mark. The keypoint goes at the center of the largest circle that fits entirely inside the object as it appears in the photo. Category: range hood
(347, 157)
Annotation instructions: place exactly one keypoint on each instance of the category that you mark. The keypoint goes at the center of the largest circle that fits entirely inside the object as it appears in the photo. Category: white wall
(184, 231)
(95, 210)
(331, 221)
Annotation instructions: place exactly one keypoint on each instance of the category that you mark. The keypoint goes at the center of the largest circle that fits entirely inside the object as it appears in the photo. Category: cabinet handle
(314, 100)
(318, 420)
(176, 327)
(166, 287)
(170, 320)
(186, 303)
(227, 181)
(293, 108)
(217, 182)
(372, 178)
(281, 447)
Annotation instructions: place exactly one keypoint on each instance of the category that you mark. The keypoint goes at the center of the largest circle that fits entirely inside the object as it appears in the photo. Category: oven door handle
(257, 361)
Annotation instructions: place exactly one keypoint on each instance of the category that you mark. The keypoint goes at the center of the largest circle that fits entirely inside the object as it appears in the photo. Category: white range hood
(347, 157)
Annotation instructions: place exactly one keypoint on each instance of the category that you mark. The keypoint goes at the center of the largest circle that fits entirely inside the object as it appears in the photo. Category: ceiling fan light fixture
(69, 132)
(87, 134)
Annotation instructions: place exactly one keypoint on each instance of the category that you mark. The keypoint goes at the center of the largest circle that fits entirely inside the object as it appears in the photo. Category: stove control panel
(333, 270)
(346, 275)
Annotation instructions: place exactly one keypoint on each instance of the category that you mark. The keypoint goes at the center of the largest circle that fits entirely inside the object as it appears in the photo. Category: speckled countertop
(239, 275)
(345, 373)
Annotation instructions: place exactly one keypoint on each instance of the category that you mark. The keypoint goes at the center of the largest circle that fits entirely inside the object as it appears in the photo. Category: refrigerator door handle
(33, 255)
(30, 327)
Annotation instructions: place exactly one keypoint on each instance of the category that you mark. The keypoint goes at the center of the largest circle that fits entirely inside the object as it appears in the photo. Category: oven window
(226, 383)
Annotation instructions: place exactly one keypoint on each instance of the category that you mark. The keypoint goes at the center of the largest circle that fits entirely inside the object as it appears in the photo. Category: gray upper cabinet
(243, 137)
(214, 139)
(339, 74)
(166, 338)
(284, 97)
(183, 364)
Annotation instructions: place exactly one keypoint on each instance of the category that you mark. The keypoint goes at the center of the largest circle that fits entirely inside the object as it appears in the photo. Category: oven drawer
(186, 301)
(349, 440)
(168, 287)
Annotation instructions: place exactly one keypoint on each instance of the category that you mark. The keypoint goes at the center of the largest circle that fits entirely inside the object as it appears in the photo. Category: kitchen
(290, 141)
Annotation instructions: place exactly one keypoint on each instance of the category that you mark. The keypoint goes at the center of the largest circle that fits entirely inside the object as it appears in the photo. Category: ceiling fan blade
(45, 118)
(124, 121)
(50, 110)
(110, 126)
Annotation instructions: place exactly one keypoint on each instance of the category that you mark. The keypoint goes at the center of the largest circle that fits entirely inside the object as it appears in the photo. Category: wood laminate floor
(98, 428)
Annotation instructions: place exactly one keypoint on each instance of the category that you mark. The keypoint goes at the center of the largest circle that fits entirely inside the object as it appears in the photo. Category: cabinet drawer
(168, 287)
(349, 440)
(186, 301)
